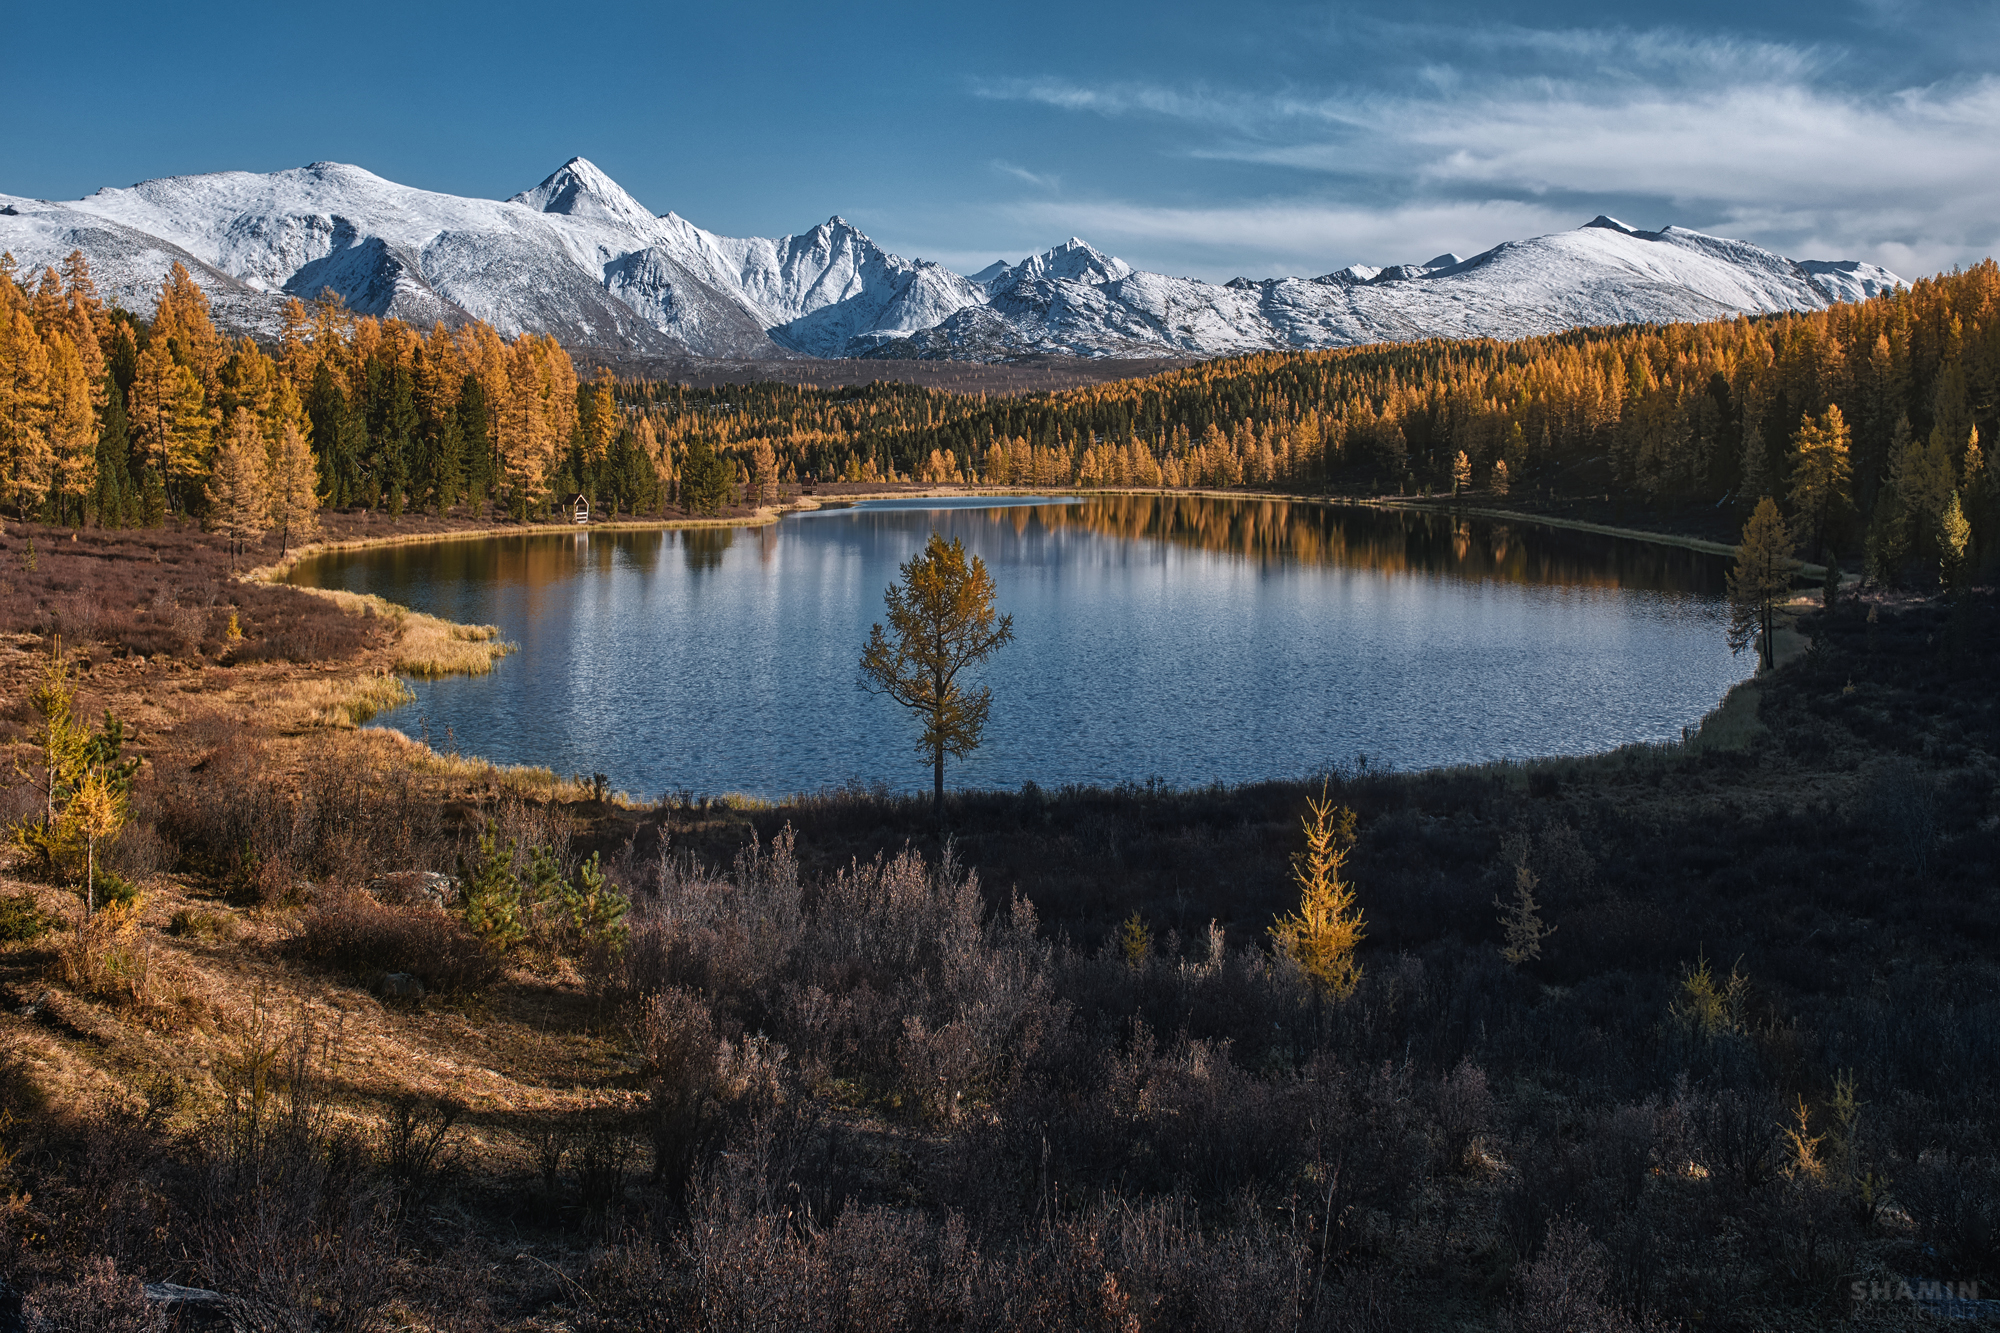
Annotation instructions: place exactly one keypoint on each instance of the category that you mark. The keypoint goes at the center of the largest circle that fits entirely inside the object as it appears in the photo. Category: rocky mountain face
(578, 258)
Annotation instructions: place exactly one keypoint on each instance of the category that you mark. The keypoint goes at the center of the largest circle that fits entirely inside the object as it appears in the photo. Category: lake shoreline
(801, 502)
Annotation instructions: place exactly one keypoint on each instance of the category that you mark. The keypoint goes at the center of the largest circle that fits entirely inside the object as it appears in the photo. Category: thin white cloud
(1755, 136)
(1037, 179)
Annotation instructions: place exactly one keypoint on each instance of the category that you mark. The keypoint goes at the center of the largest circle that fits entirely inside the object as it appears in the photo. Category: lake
(1182, 638)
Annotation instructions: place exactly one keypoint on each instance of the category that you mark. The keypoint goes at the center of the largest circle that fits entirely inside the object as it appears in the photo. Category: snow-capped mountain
(579, 258)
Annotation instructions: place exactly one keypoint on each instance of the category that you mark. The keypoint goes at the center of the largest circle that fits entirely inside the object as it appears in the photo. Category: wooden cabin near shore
(580, 506)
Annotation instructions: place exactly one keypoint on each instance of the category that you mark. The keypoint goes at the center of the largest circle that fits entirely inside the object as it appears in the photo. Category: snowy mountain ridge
(578, 258)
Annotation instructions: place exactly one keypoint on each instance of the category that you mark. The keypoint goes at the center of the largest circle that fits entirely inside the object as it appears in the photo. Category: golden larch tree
(181, 320)
(1760, 578)
(293, 488)
(25, 454)
(1820, 472)
(944, 622)
(72, 426)
(1321, 937)
(239, 498)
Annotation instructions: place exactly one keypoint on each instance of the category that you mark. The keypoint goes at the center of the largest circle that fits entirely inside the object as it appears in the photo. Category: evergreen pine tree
(476, 430)
(1756, 469)
(116, 505)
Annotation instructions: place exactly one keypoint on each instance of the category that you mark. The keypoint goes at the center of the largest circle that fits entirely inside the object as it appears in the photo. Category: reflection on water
(704, 547)
(1182, 637)
(1387, 541)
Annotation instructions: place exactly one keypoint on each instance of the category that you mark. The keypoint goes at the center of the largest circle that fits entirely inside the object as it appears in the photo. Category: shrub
(109, 958)
(348, 929)
(98, 1300)
(542, 907)
(22, 919)
(285, 1216)
(415, 1141)
(675, 1034)
(1564, 1286)
(196, 923)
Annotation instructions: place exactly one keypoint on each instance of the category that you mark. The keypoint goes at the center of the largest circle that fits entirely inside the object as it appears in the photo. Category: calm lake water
(1185, 639)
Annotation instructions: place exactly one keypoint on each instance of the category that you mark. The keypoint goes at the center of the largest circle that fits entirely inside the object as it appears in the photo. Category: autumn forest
(1865, 421)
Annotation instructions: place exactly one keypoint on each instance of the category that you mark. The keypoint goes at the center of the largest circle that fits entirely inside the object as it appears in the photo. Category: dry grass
(331, 701)
(110, 958)
(426, 645)
(1733, 725)
(143, 1002)
(521, 780)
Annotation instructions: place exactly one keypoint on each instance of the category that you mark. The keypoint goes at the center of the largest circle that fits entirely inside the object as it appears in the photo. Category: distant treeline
(1828, 412)
(1864, 421)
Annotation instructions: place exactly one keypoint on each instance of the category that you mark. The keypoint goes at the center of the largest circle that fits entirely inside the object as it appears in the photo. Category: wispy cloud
(1037, 179)
(1519, 123)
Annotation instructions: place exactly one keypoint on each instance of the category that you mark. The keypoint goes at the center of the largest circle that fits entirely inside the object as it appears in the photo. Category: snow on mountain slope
(1849, 280)
(127, 265)
(833, 286)
(579, 258)
(1075, 260)
(1602, 273)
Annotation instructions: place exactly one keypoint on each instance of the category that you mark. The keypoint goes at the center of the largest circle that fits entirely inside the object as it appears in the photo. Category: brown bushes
(348, 929)
(109, 958)
(217, 796)
(1116, 1266)
(163, 591)
(286, 1216)
(97, 1300)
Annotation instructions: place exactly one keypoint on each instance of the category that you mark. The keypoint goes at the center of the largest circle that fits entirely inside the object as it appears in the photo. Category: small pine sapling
(489, 892)
(1521, 920)
(1134, 940)
(1323, 934)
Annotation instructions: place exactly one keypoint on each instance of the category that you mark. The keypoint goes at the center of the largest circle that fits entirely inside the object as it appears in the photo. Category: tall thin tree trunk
(937, 790)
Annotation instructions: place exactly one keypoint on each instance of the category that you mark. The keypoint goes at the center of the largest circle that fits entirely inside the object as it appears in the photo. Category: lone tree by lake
(943, 621)
(1761, 578)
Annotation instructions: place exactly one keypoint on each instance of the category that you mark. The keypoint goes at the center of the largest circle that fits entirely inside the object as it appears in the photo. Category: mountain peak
(1075, 260)
(1609, 223)
(579, 189)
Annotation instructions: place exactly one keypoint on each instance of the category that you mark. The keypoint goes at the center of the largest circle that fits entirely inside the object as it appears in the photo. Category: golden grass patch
(426, 645)
(333, 701)
(523, 779)
(110, 958)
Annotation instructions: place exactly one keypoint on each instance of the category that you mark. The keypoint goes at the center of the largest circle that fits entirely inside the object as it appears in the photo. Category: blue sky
(1209, 140)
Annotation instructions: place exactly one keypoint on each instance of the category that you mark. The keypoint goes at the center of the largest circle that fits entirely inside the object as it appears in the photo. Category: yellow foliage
(1709, 1006)
(1322, 935)
(1134, 940)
